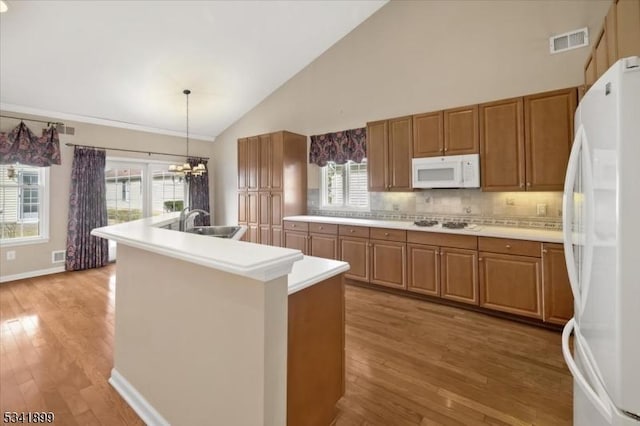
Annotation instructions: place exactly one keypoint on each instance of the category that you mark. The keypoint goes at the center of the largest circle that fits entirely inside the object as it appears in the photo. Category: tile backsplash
(524, 209)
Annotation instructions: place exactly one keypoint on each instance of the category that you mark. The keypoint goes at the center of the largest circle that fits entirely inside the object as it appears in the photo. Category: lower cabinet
(423, 269)
(511, 284)
(459, 275)
(321, 245)
(388, 261)
(558, 299)
(355, 251)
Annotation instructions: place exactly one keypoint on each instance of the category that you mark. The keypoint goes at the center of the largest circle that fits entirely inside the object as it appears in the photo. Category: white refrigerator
(601, 225)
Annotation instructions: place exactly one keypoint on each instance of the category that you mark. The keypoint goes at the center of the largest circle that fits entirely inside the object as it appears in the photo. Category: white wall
(412, 57)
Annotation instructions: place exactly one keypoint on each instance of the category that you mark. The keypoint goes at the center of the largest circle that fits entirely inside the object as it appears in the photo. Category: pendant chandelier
(185, 169)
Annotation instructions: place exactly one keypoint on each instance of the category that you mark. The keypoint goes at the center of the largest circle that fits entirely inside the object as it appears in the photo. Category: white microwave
(453, 171)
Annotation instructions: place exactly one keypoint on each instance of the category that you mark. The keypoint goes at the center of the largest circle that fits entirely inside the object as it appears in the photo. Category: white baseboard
(141, 406)
(31, 274)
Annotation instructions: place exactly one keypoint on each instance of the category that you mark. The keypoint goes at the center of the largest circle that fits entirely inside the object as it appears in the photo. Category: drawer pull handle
(293, 226)
(386, 234)
(508, 246)
(352, 230)
(320, 228)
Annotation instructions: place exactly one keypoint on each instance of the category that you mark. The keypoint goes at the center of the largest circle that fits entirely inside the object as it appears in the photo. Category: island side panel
(315, 380)
(201, 345)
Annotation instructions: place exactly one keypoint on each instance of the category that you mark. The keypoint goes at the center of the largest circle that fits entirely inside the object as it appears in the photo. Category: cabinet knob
(544, 250)
(479, 259)
(320, 228)
(386, 234)
(508, 246)
(351, 230)
(528, 183)
(446, 149)
(521, 185)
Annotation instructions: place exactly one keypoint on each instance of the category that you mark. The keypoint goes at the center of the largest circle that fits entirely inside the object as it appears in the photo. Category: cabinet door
(242, 207)
(277, 162)
(590, 71)
(252, 234)
(276, 236)
(428, 135)
(601, 56)
(296, 240)
(511, 284)
(252, 208)
(628, 28)
(276, 204)
(399, 146)
(502, 146)
(423, 269)
(264, 235)
(388, 263)
(558, 300)
(322, 245)
(611, 27)
(253, 146)
(242, 163)
(461, 134)
(264, 168)
(459, 279)
(355, 251)
(377, 155)
(264, 208)
(548, 119)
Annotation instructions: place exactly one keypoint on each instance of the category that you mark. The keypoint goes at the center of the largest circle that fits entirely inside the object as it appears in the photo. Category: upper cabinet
(389, 146)
(525, 142)
(618, 38)
(450, 132)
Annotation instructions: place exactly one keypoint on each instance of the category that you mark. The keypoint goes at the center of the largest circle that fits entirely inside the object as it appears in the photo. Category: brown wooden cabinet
(389, 146)
(619, 37)
(558, 299)
(502, 166)
(262, 202)
(510, 276)
(296, 235)
(355, 251)
(525, 142)
(548, 123)
(443, 265)
(388, 257)
(322, 245)
(450, 132)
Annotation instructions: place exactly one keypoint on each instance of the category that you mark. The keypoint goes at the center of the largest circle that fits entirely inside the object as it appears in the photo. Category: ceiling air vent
(568, 41)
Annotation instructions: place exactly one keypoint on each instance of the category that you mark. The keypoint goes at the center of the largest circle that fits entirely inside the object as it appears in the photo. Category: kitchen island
(214, 331)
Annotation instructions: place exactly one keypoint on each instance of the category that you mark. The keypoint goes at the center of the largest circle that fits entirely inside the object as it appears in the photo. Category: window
(24, 202)
(345, 185)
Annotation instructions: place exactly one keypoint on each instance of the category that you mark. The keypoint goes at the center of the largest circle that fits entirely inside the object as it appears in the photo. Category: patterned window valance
(340, 147)
(22, 146)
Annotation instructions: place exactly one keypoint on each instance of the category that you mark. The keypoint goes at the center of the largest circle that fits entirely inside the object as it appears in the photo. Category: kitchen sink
(217, 231)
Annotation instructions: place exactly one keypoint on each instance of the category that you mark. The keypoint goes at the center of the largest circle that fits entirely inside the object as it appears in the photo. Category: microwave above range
(453, 171)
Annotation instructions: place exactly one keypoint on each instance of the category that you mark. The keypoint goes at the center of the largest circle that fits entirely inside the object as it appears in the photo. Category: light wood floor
(409, 362)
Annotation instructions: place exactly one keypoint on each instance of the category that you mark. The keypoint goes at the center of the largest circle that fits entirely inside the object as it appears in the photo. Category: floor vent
(567, 41)
(58, 256)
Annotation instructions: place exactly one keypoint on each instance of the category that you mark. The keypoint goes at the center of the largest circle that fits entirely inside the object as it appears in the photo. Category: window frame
(44, 187)
(346, 179)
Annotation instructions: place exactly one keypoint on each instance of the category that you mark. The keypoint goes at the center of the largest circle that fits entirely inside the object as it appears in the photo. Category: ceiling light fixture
(185, 169)
(3, 6)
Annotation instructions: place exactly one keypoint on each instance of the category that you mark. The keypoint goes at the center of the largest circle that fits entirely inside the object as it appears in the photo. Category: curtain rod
(135, 150)
(31, 119)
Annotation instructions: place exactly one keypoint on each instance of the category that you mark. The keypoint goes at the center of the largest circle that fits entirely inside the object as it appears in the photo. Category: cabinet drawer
(507, 246)
(354, 231)
(323, 228)
(388, 234)
(443, 240)
(296, 226)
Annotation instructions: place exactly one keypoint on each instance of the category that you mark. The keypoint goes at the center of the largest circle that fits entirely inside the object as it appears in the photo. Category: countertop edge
(330, 268)
(530, 234)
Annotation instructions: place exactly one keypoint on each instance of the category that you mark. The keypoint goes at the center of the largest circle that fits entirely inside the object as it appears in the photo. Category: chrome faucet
(184, 216)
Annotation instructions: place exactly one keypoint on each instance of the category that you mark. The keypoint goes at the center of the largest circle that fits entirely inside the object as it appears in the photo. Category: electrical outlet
(541, 209)
(11, 255)
(511, 201)
(396, 207)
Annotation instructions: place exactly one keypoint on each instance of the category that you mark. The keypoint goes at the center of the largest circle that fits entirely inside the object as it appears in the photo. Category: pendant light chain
(185, 169)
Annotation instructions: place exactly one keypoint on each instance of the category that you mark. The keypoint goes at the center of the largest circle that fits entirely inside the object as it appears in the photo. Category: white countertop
(311, 270)
(531, 234)
(255, 261)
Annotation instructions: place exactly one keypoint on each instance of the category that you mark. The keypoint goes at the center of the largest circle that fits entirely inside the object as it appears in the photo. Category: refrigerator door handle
(604, 407)
(567, 212)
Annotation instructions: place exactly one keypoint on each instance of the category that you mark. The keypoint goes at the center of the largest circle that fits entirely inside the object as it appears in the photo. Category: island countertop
(532, 234)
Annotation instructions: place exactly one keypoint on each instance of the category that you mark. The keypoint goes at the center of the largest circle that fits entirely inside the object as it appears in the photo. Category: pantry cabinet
(389, 146)
(262, 201)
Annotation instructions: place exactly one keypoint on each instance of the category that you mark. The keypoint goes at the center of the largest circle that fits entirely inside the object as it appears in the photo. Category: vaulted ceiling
(126, 63)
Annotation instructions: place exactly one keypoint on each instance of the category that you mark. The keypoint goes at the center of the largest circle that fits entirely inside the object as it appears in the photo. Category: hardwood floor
(409, 362)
